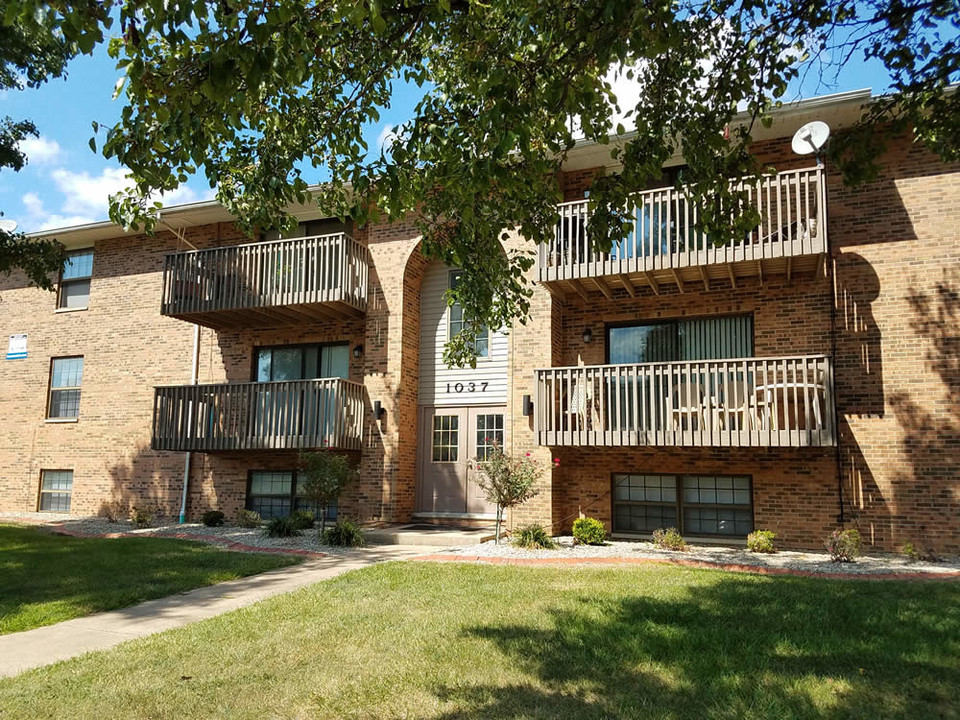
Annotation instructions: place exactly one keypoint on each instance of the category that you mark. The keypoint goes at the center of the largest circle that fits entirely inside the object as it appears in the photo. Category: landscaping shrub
(919, 551)
(141, 517)
(669, 539)
(533, 537)
(212, 518)
(281, 527)
(589, 531)
(303, 519)
(761, 541)
(248, 519)
(343, 533)
(114, 511)
(844, 545)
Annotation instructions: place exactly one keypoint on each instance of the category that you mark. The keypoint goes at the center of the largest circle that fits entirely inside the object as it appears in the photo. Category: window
(273, 493)
(446, 438)
(711, 338)
(695, 504)
(66, 375)
(303, 362)
(489, 432)
(74, 289)
(55, 489)
(458, 322)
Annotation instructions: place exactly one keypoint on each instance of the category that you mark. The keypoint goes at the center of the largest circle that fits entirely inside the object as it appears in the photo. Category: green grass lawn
(47, 578)
(422, 640)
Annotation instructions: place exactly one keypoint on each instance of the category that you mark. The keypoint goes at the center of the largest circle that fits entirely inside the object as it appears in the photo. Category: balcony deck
(665, 248)
(284, 415)
(751, 402)
(268, 284)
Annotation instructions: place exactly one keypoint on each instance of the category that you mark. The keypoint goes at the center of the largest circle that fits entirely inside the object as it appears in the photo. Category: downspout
(832, 265)
(186, 458)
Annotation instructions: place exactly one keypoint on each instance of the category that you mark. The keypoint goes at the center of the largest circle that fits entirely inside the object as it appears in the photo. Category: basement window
(707, 505)
(273, 493)
(56, 488)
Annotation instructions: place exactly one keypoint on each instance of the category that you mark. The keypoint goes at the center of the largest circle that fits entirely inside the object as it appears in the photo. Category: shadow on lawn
(733, 649)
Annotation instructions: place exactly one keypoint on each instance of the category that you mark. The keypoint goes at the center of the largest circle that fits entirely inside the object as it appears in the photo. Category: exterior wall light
(358, 351)
(527, 406)
(587, 335)
(378, 410)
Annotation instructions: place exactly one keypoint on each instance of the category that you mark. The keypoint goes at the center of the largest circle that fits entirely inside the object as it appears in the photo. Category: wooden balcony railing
(753, 402)
(664, 240)
(299, 414)
(268, 283)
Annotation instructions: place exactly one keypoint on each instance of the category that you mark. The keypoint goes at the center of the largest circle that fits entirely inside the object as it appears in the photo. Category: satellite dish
(8, 225)
(810, 138)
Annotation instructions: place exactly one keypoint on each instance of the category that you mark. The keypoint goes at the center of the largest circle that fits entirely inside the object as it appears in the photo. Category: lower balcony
(752, 402)
(286, 415)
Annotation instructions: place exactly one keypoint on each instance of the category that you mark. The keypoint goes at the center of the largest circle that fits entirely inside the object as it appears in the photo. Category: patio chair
(740, 401)
(686, 400)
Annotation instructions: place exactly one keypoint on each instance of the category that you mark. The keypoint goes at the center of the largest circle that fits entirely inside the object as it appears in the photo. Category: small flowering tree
(325, 475)
(507, 481)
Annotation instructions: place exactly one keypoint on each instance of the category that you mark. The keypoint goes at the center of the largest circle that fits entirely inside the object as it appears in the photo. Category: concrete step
(428, 535)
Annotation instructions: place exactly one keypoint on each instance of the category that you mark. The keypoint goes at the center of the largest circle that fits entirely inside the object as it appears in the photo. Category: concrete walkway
(46, 645)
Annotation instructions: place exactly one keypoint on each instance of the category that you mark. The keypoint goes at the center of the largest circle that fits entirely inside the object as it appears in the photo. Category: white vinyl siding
(441, 385)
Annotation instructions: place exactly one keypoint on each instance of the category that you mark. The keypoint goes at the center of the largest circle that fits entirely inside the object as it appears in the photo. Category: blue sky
(64, 183)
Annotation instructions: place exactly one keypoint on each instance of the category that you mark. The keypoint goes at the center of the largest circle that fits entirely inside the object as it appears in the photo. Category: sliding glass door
(652, 406)
(295, 410)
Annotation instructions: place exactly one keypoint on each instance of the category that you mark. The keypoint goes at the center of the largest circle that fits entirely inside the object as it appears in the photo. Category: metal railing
(751, 402)
(792, 208)
(296, 414)
(298, 271)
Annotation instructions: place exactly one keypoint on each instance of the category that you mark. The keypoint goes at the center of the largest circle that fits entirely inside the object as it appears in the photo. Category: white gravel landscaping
(254, 537)
(805, 561)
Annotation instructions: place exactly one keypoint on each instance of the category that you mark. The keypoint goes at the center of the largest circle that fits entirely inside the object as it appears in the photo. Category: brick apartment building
(804, 377)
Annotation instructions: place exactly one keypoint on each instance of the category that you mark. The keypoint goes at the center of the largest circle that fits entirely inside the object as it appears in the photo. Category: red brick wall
(895, 250)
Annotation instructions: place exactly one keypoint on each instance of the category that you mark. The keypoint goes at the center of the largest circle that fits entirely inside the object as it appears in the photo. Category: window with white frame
(56, 487)
(74, 290)
(458, 322)
(66, 376)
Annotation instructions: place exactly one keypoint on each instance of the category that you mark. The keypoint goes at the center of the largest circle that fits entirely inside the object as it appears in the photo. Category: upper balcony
(751, 402)
(266, 284)
(281, 415)
(665, 247)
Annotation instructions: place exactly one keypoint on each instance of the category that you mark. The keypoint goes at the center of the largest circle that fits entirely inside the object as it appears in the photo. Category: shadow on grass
(46, 579)
(733, 649)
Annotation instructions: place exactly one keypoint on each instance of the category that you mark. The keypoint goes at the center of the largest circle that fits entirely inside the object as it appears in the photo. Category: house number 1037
(467, 387)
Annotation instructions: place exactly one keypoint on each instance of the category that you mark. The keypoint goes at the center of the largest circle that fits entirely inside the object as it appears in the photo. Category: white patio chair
(686, 400)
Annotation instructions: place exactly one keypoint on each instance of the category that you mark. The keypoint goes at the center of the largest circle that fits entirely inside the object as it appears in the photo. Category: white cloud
(40, 150)
(39, 219)
(387, 137)
(86, 198)
(90, 194)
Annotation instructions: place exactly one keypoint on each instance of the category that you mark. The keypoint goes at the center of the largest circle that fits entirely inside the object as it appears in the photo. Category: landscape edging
(702, 564)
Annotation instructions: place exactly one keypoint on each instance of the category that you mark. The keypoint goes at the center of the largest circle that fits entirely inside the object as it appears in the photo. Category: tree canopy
(255, 94)
(29, 55)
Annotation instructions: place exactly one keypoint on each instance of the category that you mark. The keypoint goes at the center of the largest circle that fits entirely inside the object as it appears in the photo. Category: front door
(451, 441)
